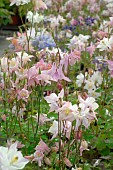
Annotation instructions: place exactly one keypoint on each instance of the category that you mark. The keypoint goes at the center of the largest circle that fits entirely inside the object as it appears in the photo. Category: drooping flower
(80, 79)
(38, 157)
(42, 147)
(43, 118)
(57, 73)
(4, 64)
(39, 4)
(14, 64)
(54, 129)
(84, 146)
(11, 158)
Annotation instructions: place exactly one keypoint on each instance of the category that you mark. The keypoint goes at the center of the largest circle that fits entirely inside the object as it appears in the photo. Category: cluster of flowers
(83, 113)
(90, 82)
(36, 61)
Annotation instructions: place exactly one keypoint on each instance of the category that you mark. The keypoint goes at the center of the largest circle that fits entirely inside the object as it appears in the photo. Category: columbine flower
(24, 57)
(57, 73)
(105, 44)
(34, 18)
(87, 112)
(4, 64)
(39, 4)
(110, 66)
(79, 42)
(14, 64)
(23, 94)
(80, 79)
(43, 118)
(84, 146)
(38, 157)
(88, 103)
(97, 78)
(43, 40)
(11, 159)
(89, 85)
(42, 147)
(68, 111)
(55, 101)
(55, 21)
(19, 2)
(12, 141)
(54, 129)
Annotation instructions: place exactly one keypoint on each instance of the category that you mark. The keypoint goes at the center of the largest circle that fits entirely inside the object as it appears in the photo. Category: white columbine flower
(105, 44)
(34, 18)
(88, 103)
(11, 159)
(80, 79)
(19, 2)
(97, 77)
(54, 128)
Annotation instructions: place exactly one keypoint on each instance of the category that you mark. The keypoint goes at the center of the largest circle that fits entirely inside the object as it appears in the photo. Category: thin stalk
(4, 102)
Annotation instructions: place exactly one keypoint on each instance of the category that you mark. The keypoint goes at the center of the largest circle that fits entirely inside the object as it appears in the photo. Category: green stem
(4, 102)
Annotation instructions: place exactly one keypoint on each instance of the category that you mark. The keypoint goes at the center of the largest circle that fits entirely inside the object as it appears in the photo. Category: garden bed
(56, 86)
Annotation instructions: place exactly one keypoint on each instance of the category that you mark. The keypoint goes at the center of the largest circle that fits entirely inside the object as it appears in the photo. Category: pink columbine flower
(55, 101)
(38, 157)
(39, 4)
(21, 74)
(57, 73)
(42, 147)
(23, 94)
(110, 66)
(12, 141)
(44, 78)
(74, 56)
(43, 119)
(43, 65)
(14, 64)
(67, 128)
(68, 111)
(91, 49)
(32, 74)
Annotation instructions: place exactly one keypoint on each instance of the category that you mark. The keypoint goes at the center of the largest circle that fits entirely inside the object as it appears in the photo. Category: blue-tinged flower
(89, 21)
(42, 41)
(71, 28)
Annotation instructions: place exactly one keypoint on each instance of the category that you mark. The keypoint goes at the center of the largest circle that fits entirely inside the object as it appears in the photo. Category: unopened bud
(47, 161)
(84, 144)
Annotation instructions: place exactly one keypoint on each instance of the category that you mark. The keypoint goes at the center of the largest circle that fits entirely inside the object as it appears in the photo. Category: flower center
(14, 160)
